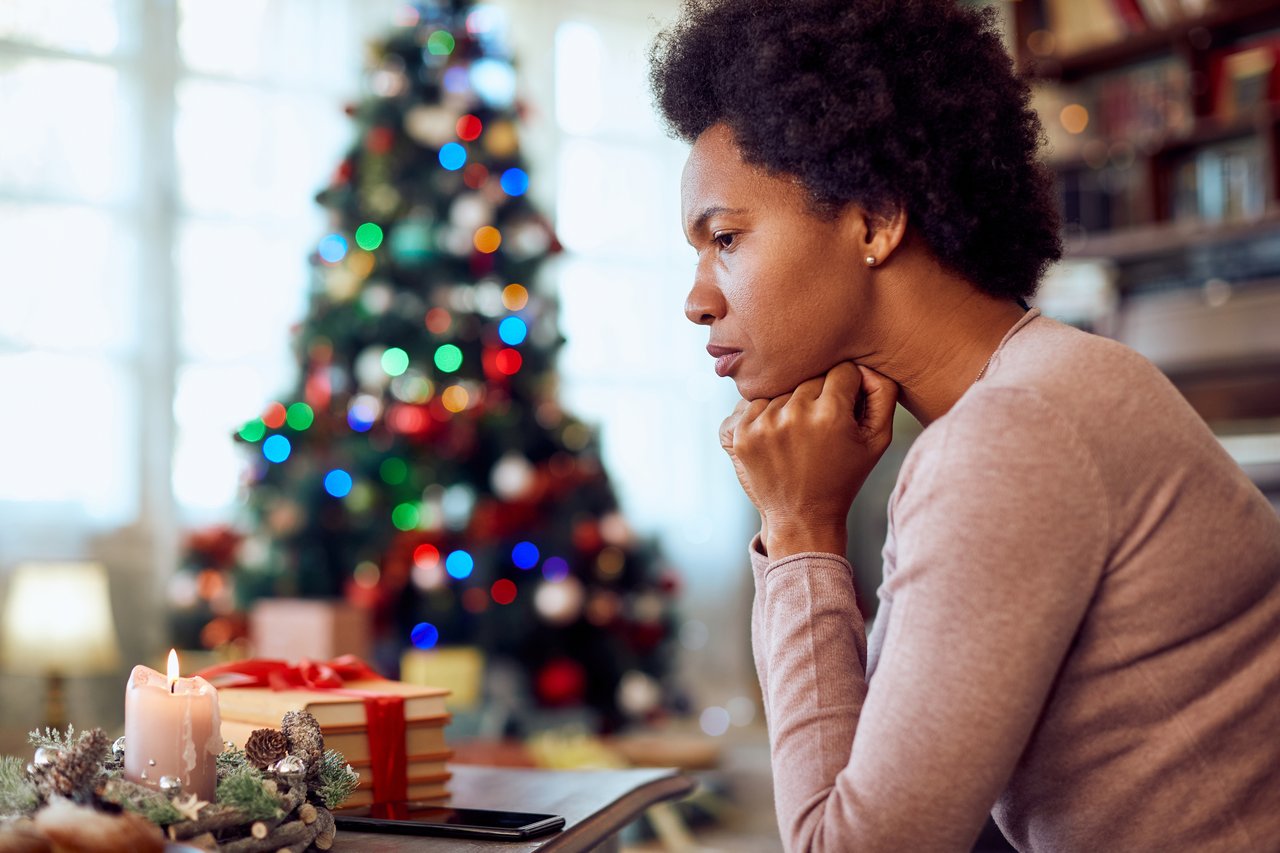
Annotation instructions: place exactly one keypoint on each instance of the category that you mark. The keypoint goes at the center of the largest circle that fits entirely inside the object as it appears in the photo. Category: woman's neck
(935, 356)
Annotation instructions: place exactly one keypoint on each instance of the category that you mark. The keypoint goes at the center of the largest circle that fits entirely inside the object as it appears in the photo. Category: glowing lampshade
(57, 619)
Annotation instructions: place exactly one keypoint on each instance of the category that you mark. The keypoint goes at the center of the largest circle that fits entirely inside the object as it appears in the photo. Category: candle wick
(173, 686)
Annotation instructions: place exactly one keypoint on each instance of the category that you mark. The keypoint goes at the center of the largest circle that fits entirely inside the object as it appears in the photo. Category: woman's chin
(753, 388)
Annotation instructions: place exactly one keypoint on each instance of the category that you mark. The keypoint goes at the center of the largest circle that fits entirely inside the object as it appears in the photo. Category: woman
(1080, 617)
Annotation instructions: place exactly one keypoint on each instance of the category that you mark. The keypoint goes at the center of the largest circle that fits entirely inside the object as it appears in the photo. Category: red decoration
(380, 140)
(561, 682)
(503, 591)
(475, 175)
(469, 128)
(586, 536)
(274, 416)
(215, 547)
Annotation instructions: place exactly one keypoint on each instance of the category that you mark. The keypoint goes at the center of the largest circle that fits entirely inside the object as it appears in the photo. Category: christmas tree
(422, 467)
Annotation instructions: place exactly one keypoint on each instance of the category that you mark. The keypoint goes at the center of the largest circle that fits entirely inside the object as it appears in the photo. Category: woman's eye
(725, 240)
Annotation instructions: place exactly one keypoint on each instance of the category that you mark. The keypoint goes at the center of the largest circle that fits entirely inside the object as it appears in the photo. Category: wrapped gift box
(354, 717)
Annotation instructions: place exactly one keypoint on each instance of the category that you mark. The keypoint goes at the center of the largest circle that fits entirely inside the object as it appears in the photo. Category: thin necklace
(985, 366)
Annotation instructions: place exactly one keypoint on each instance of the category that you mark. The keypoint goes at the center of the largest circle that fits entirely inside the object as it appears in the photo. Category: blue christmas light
(555, 569)
(333, 248)
(512, 331)
(424, 635)
(514, 181)
(459, 564)
(525, 555)
(361, 414)
(337, 483)
(276, 448)
(452, 156)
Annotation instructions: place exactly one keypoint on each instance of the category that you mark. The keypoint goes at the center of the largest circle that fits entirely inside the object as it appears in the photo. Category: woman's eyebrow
(701, 219)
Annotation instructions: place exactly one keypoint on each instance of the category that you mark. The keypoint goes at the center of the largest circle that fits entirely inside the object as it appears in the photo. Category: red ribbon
(384, 714)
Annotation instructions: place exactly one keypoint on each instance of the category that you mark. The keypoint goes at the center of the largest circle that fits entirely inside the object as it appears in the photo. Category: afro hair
(891, 104)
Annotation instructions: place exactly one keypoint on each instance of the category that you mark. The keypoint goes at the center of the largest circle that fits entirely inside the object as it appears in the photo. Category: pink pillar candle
(171, 729)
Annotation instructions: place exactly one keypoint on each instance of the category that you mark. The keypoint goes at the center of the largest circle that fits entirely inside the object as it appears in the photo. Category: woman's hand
(802, 457)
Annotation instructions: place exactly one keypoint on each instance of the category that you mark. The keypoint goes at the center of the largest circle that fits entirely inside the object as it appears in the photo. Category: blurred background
(338, 326)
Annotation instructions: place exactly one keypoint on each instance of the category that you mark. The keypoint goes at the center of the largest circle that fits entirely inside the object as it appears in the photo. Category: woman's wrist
(782, 539)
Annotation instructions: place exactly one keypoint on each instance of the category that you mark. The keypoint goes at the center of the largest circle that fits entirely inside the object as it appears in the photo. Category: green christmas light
(393, 471)
(448, 358)
(253, 430)
(369, 236)
(395, 361)
(299, 416)
(405, 516)
(440, 43)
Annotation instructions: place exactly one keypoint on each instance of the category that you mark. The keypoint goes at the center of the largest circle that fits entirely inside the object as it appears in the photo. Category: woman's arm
(993, 576)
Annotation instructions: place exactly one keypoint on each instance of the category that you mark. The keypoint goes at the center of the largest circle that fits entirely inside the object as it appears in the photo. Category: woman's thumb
(881, 400)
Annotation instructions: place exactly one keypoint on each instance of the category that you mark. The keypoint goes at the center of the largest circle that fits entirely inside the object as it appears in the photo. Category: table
(595, 804)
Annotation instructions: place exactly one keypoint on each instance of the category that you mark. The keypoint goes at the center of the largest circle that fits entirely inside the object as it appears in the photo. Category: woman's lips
(726, 358)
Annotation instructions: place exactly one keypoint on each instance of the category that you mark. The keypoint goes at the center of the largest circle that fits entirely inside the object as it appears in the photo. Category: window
(157, 172)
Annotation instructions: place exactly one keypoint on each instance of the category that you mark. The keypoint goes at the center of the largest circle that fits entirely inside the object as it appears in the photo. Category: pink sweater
(1079, 630)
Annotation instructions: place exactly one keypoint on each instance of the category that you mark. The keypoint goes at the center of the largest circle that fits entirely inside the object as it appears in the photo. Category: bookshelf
(1163, 124)
(1163, 119)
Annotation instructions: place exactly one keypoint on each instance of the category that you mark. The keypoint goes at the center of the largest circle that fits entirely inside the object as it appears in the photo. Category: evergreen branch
(242, 789)
(337, 779)
(153, 805)
(18, 795)
(52, 738)
(230, 760)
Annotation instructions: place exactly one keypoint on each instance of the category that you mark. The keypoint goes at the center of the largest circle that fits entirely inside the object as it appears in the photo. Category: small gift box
(390, 732)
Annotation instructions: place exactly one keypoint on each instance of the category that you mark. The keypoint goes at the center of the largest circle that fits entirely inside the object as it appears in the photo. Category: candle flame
(173, 668)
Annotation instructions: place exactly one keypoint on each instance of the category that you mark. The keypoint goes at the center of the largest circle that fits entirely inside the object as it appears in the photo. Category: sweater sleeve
(1001, 531)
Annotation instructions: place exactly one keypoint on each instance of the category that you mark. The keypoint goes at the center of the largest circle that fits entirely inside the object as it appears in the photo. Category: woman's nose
(705, 303)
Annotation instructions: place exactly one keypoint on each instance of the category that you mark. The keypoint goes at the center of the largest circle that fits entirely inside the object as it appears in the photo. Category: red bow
(282, 675)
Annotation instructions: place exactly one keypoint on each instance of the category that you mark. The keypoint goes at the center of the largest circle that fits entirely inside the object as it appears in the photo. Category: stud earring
(871, 260)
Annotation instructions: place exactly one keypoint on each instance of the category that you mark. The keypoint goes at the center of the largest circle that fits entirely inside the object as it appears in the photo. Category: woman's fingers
(841, 385)
(882, 396)
(730, 424)
(882, 400)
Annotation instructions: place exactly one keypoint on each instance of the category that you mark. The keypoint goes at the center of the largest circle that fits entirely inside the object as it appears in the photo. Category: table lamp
(57, 622)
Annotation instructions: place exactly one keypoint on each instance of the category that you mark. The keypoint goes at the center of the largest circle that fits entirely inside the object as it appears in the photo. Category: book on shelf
(330, 708)
(1221, 183)
(1079, 25)
(423, 739)
(1245, 77)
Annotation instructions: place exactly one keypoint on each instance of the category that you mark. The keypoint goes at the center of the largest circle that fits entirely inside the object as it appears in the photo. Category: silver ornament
(228, 746)
(45, 755)
(117, 748)
(170, 785)
(151, 762)
(289, 765)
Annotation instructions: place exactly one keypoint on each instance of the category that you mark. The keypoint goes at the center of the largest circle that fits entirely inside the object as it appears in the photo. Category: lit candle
(172, 731)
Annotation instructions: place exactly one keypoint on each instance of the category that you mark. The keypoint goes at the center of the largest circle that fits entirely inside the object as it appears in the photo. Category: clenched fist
(802, 457)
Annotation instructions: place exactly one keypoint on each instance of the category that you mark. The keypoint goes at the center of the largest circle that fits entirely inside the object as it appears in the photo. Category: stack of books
(342, 719)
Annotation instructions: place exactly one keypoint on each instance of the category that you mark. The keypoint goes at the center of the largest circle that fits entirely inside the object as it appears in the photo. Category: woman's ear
(879, 235)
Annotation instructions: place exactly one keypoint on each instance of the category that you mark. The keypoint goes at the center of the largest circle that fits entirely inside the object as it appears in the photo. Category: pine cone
(74, 773)
(305, 740)
(265, 747)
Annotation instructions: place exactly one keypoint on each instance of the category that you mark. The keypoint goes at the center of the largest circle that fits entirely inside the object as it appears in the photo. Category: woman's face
(784, 287)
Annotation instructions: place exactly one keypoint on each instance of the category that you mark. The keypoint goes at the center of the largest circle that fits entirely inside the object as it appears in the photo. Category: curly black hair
(894, 104)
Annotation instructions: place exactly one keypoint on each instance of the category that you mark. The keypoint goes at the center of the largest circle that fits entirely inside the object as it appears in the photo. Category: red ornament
(469, 128)
(586, 536)
(561, 682)
(475, 175)
(380, 140)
